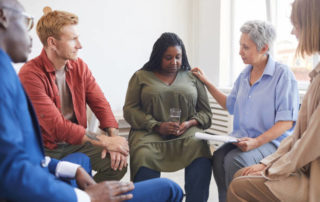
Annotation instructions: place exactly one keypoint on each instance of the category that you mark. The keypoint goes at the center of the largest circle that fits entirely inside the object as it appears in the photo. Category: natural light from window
(285, 44)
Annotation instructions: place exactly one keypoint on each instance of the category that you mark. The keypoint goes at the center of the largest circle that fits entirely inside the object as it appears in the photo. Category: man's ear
(3, 19)
(51, 42)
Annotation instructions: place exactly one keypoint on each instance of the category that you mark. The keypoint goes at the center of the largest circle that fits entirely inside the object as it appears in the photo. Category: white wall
(207, 37)
(117, 35)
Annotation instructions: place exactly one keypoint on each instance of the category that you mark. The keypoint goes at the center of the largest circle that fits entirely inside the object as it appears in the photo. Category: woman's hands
(168, 128)
(247, 143)
(200, 74)
(173, 128)
(254, 170)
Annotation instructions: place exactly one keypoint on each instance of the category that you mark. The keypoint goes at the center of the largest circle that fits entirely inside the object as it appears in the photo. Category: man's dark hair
(165, 41)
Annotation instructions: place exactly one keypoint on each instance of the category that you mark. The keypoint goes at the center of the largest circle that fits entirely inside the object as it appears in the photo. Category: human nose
(240, 51)
(79, 46)
(174, 61)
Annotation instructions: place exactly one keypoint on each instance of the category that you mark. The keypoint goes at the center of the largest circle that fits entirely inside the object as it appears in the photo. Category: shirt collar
(268, 70)
(270, 67)
(48, 64)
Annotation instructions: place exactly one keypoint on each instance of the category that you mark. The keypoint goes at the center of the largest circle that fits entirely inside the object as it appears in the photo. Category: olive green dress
(147, 104)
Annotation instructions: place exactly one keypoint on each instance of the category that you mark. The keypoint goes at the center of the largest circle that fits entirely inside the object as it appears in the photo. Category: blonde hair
(305, 16)
(51, 23)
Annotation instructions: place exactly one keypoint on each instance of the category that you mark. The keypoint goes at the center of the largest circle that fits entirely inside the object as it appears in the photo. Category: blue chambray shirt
(272, 98)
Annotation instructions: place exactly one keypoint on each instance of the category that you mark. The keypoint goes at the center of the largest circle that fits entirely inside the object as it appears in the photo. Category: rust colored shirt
(38, 78)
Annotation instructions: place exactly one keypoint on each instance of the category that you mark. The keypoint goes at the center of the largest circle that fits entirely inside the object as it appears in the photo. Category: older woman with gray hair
(264, 101)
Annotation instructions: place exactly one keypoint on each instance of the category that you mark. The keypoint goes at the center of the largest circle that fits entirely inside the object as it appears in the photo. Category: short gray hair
(260, 32)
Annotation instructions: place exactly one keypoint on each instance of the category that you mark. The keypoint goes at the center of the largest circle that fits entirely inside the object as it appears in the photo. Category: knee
(84, 161)
(202, 162)
(78, 158)
(165, 182)
(218, 158)
(82, 156)
(170, 185)
(81, 159)
(238, 173)
(235, 160)
(145, 173)
(235, 189)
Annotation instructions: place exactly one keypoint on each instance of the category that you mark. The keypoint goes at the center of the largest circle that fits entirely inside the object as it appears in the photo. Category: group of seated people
(276, 157)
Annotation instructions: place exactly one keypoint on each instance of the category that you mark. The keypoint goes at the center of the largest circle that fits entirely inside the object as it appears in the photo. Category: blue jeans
(197, 179)
(81, 159)
(228, 159)
(155, 190)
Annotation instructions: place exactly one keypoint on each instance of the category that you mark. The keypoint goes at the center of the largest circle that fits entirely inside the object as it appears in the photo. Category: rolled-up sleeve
(287, 98)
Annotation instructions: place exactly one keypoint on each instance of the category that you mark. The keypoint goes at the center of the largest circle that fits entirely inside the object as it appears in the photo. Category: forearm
(218, 95)
(111, 132)
(274, 132)
(93, 138)
(192, 122)
(113, 143)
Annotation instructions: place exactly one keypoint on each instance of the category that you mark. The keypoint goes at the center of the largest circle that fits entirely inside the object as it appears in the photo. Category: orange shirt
(38, 79)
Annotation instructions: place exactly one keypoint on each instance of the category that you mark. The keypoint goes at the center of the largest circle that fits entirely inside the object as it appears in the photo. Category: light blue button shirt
(272, 98)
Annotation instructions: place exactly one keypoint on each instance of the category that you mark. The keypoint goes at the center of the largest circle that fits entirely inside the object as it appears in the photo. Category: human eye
(168, 57)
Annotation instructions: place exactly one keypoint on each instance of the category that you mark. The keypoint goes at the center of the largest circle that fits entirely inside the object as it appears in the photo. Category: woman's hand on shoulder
(199, 74)
(247, 143)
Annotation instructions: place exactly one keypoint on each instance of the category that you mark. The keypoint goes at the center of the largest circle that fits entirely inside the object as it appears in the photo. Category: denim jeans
(197, 179)
(157, 190)
(81, 159)
(154, 190)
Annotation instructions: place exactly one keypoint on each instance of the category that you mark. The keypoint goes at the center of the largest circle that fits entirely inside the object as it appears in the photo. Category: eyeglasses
(28, 19)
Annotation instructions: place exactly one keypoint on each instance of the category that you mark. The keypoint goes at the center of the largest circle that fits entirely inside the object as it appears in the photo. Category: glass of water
(174, 115)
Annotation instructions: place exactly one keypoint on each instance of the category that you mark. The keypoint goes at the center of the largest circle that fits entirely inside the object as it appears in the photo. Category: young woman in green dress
(157, 144)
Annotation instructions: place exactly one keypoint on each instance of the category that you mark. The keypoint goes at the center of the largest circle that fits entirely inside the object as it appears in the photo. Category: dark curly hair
(165, 41)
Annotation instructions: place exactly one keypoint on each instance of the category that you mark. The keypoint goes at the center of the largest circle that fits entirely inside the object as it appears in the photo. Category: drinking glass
(174, 115)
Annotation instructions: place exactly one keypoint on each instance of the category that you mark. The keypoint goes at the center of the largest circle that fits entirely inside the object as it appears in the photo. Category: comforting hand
(110, 191)
(118, 160)
(247, 144)
(168, 128)
(116, 144)
(83, 179)
(254, 169)
(199, 73)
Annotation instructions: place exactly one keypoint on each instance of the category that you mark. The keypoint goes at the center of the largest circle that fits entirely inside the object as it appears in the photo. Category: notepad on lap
(219, 138)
